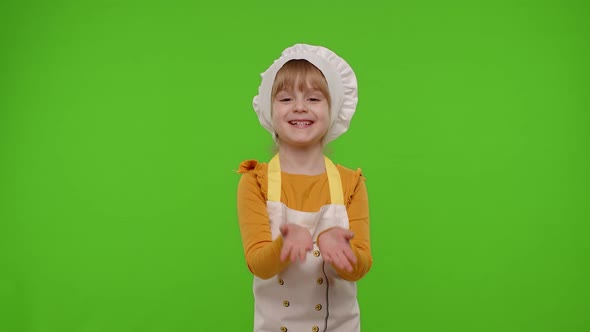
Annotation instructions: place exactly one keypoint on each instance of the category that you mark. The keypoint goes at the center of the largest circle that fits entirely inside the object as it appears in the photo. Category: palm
(297, 242)
(335, 247)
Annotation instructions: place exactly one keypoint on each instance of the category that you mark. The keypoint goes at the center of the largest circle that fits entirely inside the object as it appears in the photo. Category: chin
(304, 144)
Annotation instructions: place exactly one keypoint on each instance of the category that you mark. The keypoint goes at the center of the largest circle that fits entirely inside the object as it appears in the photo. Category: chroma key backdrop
(122, 124)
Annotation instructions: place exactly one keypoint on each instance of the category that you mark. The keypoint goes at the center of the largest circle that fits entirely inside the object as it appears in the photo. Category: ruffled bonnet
(341, 83)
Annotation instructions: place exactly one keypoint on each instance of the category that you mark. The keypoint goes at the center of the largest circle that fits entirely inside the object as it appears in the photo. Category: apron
(308, 296)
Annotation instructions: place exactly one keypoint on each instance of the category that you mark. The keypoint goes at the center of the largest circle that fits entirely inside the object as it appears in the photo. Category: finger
(343, 262)
(338, 261)
(350, 256)
(293, 256)
(284, 253)
(302, 255)
(296, 254)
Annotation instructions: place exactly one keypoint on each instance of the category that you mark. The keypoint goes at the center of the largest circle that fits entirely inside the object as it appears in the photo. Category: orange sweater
(304, 193)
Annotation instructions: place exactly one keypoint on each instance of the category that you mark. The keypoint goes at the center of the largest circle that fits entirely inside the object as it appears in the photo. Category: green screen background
(122, 124)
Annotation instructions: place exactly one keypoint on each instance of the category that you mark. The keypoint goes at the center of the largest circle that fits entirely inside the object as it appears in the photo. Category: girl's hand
(297, 242)
(335, 247)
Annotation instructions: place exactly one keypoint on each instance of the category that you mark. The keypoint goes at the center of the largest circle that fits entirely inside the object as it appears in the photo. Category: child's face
(300, 118)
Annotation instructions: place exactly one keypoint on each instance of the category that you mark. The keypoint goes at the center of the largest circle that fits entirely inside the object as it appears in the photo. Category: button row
(313, 329)
(319, 281)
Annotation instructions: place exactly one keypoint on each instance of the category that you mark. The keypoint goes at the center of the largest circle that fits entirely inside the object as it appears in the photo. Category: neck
(302, 160)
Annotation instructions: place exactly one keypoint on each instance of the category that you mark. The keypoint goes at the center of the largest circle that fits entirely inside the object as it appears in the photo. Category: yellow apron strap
(336, 194)
(274, 181)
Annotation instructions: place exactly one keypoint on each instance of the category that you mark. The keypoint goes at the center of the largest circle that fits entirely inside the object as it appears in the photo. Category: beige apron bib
(309, 296)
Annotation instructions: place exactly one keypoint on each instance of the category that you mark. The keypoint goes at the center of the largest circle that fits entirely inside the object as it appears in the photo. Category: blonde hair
(304, 74)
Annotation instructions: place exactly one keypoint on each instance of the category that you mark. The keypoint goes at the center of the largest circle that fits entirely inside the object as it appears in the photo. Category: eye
(314, 99)
(285, 99)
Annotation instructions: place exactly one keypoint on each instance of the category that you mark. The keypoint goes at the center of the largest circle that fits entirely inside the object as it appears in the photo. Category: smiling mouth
(301, 123)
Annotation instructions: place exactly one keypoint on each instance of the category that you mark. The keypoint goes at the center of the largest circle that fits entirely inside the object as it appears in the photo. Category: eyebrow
(292, 89)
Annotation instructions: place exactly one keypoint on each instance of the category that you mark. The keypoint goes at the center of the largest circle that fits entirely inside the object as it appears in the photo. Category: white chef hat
(341, 83)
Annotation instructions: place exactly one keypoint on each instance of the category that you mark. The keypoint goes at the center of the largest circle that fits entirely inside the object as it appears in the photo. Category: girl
(305, 221)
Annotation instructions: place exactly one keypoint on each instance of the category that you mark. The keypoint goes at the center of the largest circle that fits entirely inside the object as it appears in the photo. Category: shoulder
(250, 165)
(352, 179)
(350, 174)
(254, 175)
(353, 183)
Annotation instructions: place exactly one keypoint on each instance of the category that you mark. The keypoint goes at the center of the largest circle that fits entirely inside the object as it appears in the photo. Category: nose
(300, 105)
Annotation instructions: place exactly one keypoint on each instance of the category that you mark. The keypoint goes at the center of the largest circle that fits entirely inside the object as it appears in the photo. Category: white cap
(341, 83)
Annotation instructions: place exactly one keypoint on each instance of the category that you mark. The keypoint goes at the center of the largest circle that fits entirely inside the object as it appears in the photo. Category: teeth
(300, 123)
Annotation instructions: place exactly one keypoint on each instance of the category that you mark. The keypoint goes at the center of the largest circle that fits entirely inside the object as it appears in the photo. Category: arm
(358, 217)
(261, 252)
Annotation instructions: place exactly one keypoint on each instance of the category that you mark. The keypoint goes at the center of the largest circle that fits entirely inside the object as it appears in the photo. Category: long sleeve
(261, 252)
(358, 217)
